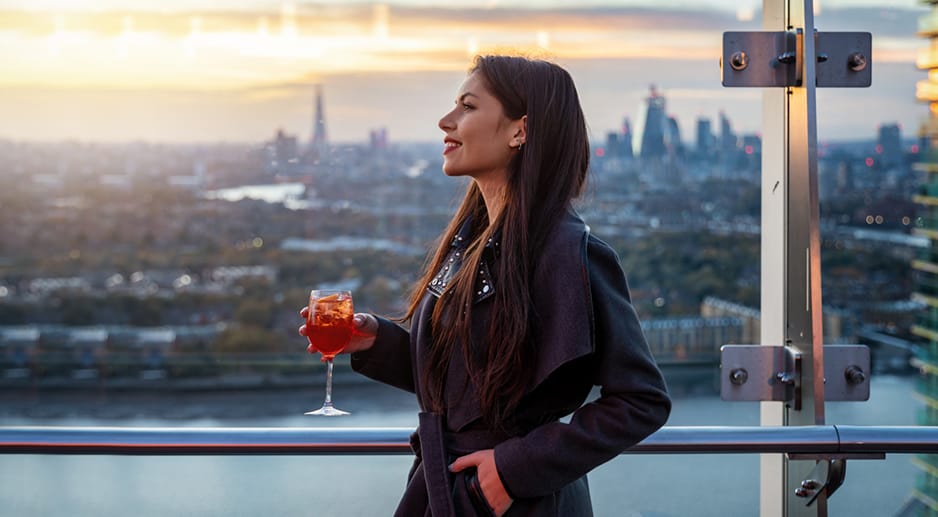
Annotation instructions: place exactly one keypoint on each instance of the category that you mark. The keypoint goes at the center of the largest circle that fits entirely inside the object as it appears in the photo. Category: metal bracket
(844, 59)
(846, 373)
(833, 472)
(755, 373)
(774, 59)
(759, 59)
(773, 373)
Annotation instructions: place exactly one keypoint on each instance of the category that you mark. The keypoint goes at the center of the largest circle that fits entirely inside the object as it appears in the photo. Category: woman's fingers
(464, 462)
(365, 324)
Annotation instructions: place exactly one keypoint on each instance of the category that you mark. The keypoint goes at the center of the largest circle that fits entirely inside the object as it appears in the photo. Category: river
(339, 486)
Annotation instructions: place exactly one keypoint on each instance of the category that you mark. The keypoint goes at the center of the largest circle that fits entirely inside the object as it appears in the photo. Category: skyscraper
(619, 144)
(648, 140)
(889, 145)
(704, 136)
(626, 146)
(728, 139)
(672, 137)
(378, 139)
(319, 145)
(925, 494)
(282, 154)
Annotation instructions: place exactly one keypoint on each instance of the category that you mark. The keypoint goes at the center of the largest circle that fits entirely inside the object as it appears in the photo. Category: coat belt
(436, 449)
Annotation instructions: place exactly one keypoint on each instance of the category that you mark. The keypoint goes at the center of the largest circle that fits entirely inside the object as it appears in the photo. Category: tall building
(626, 147)
(282, 154)
(925, 493)
(889, 145)
(752, 151)
(728, 139)
(613, 144)
(672, 137)
(619, 145)
(648, 141)
(378, 139)
(319, 145)
(704, 136)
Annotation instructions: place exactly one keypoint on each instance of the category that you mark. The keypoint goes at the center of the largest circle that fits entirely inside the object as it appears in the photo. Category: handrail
(821, 441)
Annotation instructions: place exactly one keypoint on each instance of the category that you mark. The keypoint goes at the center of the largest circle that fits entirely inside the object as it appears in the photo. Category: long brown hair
(544, 178)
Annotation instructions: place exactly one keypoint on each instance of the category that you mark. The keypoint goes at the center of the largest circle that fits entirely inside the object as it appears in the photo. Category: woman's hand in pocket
(489, 480)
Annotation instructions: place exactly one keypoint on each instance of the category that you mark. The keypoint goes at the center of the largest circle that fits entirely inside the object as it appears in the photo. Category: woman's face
(480, 139)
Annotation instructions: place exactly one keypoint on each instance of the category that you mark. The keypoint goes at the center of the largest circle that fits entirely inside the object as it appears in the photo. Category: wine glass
(329, 328)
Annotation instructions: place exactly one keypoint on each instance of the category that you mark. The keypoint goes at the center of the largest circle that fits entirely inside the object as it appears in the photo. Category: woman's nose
(446, 122)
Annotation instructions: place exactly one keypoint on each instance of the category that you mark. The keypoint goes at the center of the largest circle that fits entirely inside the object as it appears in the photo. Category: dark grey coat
(586, 333)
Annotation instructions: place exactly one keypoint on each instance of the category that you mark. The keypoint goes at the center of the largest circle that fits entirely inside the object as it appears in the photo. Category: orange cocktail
(329, 325)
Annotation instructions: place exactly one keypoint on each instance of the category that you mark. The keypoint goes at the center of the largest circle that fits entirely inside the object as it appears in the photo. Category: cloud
(215, 49)
(231, 88)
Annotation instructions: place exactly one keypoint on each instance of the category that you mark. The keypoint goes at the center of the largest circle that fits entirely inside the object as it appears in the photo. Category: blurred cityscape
(143, 264)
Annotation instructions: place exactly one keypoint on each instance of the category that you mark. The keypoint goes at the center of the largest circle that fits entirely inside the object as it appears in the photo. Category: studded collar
(484, 287)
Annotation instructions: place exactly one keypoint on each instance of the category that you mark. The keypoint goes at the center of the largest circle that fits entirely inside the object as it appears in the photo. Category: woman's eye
(466, 107)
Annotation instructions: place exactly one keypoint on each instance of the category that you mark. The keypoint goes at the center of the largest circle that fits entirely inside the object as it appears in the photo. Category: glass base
(327, 410)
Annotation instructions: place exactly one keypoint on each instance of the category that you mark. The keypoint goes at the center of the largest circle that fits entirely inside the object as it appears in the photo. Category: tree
(255, 312)
(242, 339)
(12, 314)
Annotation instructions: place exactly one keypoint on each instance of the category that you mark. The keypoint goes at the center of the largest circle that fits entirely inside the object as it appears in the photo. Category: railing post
(791, 276)
(787, 372)
(772, 288)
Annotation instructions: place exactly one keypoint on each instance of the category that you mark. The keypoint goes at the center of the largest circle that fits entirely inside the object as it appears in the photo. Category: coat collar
(484, 285)
(464, 236)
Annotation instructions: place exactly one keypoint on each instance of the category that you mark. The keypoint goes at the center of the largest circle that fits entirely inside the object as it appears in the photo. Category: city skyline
(195, 75)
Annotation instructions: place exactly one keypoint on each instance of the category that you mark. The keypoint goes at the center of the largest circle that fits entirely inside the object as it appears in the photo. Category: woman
(518, 315)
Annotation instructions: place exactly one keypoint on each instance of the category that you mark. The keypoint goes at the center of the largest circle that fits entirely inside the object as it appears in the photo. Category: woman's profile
(518, 314)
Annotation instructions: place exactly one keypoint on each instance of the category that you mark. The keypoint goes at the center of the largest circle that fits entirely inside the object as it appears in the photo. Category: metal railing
(826, 441)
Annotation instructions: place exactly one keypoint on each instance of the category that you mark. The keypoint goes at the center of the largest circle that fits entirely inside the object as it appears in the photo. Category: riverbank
(234, 398)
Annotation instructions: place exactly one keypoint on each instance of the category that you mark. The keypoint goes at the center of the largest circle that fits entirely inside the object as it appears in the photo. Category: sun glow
(212, 50)
(185, 70)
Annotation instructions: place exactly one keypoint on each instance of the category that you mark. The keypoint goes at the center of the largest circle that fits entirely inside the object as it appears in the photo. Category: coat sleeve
(633, 401)
(388, 360)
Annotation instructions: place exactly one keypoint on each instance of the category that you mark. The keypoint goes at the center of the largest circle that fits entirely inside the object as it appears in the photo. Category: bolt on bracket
(774, 59)
(774, 373)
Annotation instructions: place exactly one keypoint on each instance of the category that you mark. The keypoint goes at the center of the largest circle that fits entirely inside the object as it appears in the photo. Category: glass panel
(367, 485)
(873, 189)
(175, 180)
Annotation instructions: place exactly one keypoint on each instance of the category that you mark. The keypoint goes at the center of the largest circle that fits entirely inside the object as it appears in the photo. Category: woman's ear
(520, 134)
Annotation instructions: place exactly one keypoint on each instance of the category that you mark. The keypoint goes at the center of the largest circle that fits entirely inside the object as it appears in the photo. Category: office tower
(625, 147)
(672, 137)
(282, 154)
(752, 144)
(613, 144)
(319, 145)
(925, 493)
(378, 139)
(619, 143)
(648, 140)
(752, 152)
(728, 139)
(704, 136)
(889, 145)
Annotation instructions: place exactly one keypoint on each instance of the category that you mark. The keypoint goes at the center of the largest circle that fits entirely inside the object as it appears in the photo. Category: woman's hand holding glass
(366, 327)
(330, 328)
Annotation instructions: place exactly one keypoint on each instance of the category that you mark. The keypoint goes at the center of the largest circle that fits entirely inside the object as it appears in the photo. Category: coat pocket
(476, 497)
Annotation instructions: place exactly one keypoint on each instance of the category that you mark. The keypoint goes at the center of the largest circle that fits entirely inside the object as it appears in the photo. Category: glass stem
(328, 401)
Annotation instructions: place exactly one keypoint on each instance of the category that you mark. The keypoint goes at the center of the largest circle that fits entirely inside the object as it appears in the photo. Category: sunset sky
(183, 71)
